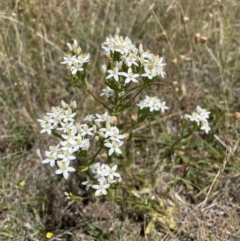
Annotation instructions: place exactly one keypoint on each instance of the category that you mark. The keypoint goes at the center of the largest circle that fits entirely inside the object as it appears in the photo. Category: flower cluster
(153, 103)
(104, 175)
(201, 118)
(129, 62)
(76, 137)
(76, 61)
(128, 65)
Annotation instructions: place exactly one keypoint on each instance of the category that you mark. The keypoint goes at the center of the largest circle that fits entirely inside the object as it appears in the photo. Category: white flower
(115, 136)
(66, 126)
(85, 144)
(64, 168)
(94, 167)
(76, 67)
(108, 92)
(158, 63)
(150, 72)
(205, 127)
(142, 104)
(114, 147)
(67, 145)
(89, 118)
(113, 73)
(48, 127)
(111, 172)
(100, 172)
(194, 117)
(131, 59)
(109, 130)
(83, 58)
(51, 157)
(202, 112)
(102, 118)
(86, 130)
(111, 180)
(163, 106)
(56, 113)
(76, 144)
(69, 60)
(70, 135)
(101, 188)
(130, 76)
(154, 104)
(68, 115)
(88, 183)
(67, 156)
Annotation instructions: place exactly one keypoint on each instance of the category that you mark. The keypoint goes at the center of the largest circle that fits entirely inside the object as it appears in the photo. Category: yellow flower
(22, 183)
(49, 235)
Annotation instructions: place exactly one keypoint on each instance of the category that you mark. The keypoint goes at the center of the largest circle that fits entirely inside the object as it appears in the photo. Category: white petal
(65, 174)
(71, 169)
(59, 171)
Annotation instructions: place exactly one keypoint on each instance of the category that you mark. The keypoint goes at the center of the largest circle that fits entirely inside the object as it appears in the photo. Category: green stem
(56, 134)
(94, 157)
(98, 99)
(130, 100)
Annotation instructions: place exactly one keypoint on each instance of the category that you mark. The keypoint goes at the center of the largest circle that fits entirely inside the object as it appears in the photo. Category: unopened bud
(126, 136)
(210, 16)
(122, 93)
(119, 179)
(182, 57)
(203, 40)
(73, 104)
(98, 124)
(134, 118)
(152, 197)
(75, 43)
(104, 155)
(64, 104)
(174, 61)
(237, 116)
(197, 38)
(94, 129)
(104, 68)
(78, 51)
(114, 120)
(186, 20)
(70, 46)
(101, 134)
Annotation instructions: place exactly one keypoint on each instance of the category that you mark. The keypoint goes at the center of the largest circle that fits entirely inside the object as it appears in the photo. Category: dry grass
(33, 38)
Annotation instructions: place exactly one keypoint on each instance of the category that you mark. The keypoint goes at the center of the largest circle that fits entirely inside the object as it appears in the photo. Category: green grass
(33, 40)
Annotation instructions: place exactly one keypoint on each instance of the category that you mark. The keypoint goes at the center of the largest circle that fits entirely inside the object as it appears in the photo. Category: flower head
(64, 168)
(101, 189)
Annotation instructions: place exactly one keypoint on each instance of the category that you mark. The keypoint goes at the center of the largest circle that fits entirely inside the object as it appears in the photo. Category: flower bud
(75, 43)
(78, 51)
(114, 120)
(73, 104)
(126, 136)
(70, 47)
(64, 104)
(104, 68)
(134, 118)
